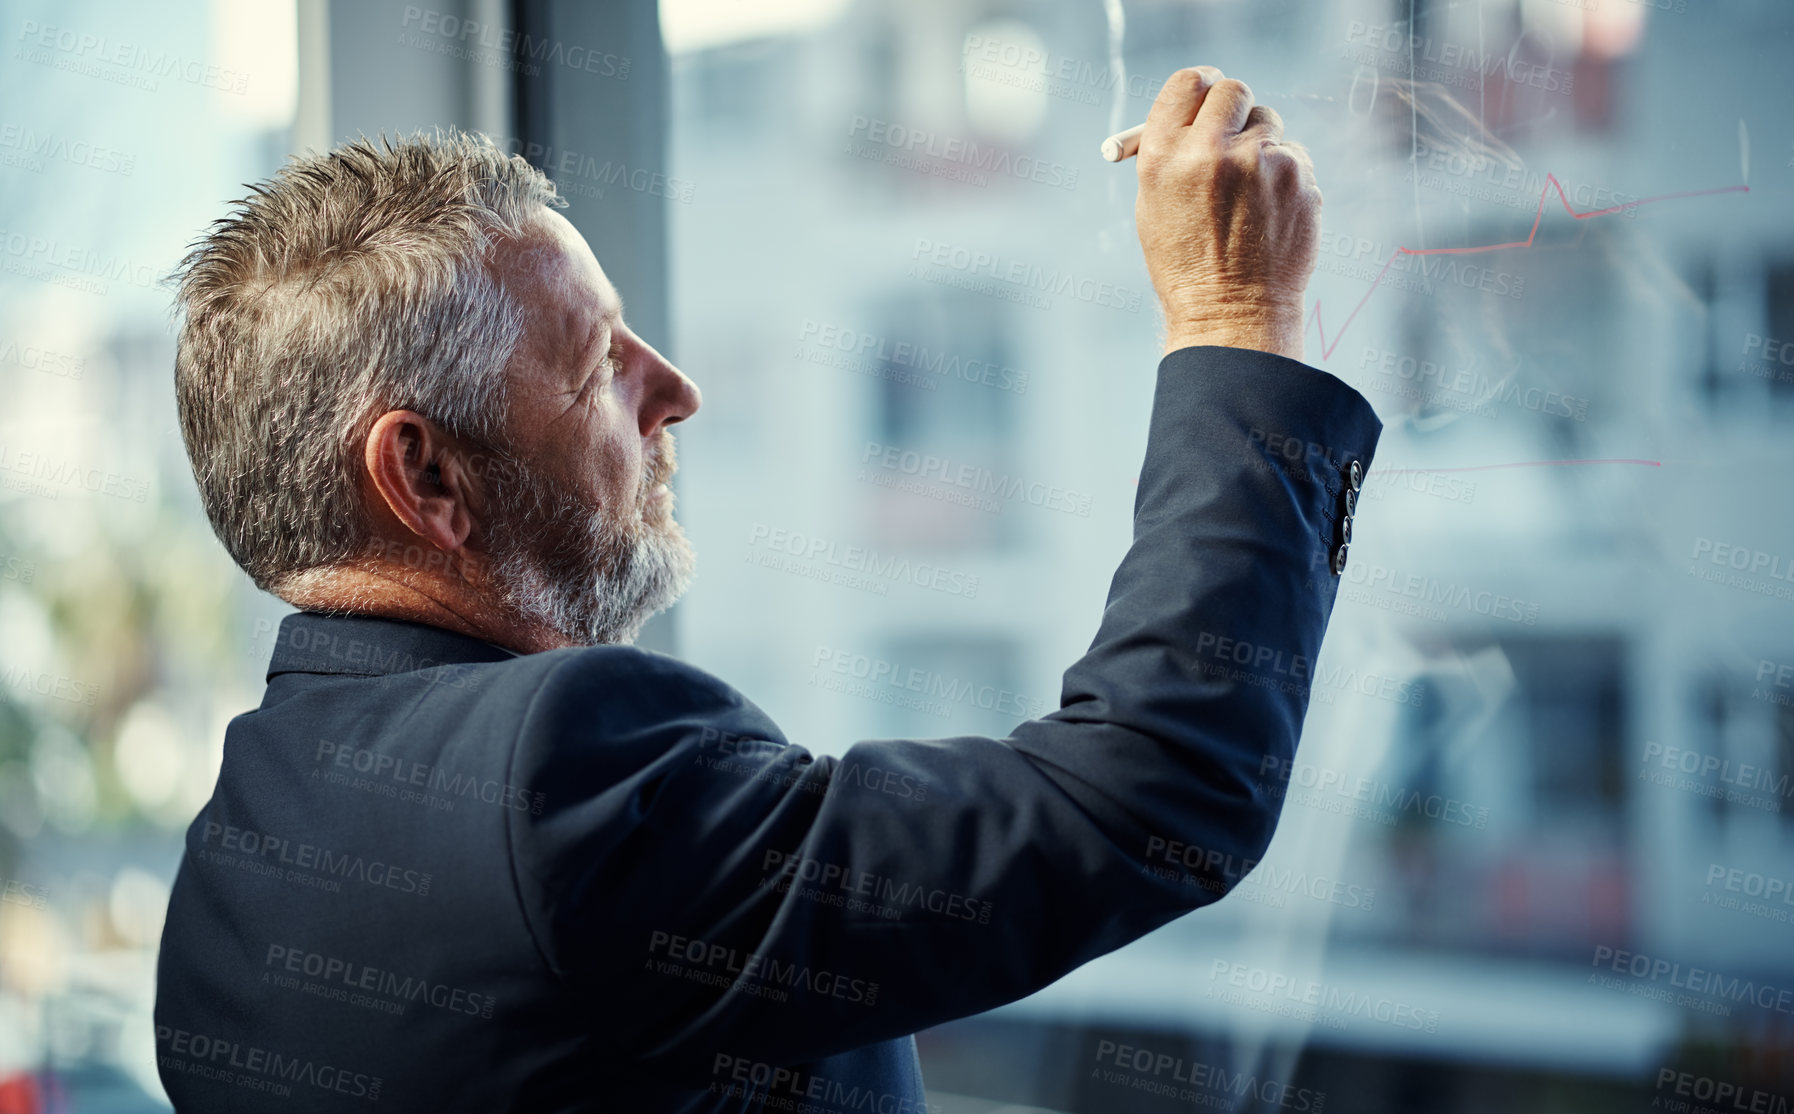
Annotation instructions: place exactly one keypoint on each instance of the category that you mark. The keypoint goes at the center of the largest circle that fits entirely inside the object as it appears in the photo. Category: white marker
(1122, 145)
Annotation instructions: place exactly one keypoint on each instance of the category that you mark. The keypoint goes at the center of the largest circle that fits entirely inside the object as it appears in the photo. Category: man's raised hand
(1228, 215)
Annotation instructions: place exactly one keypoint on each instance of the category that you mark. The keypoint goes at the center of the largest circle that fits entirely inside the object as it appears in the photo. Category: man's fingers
(1176, 107)
(1290, 163)
(1303, 160)
(1263, 122)
(1224, 110)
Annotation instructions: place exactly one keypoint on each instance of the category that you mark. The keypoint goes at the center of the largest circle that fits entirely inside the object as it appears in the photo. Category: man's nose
(667, 395)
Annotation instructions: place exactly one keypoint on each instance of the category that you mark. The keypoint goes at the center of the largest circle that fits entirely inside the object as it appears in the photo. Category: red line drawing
(1550, 182)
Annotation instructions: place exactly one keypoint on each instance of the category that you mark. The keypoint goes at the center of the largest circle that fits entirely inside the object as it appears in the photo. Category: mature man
(475, 852)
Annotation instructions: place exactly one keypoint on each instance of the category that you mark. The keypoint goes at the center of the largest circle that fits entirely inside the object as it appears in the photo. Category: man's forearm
(1204, 659)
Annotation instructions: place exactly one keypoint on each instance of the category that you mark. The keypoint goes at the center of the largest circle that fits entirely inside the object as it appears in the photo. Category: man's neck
(413, 598)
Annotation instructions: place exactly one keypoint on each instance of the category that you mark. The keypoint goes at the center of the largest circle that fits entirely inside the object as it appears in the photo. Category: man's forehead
(563, 282)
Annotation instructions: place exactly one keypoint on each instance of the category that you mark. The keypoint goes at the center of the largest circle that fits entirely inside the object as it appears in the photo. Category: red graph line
(1550, 182)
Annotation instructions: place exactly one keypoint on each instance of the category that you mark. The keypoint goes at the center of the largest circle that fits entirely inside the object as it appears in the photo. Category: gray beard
(595, 576)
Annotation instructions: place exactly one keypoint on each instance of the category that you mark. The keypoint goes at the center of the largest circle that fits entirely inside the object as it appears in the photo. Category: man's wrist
(1276, 331)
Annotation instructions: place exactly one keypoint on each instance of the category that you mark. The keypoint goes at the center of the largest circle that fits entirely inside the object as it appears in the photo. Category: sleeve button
(1339, 560)
(1355, 475)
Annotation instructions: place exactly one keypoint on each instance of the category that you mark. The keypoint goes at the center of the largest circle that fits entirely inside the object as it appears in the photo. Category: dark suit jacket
(439, 876)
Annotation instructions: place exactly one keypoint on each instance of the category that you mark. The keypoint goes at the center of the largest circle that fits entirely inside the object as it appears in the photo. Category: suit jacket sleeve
(710, 889)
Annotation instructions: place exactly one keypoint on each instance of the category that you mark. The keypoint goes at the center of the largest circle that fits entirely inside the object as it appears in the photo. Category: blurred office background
(1535, 852)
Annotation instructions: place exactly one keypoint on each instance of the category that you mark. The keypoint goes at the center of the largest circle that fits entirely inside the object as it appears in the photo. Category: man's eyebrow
(608, 319)
(611, 314)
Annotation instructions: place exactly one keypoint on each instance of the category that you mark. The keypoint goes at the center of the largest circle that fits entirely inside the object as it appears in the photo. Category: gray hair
(349, 284)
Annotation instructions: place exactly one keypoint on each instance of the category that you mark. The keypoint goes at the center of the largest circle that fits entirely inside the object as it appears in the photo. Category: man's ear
(423, 477)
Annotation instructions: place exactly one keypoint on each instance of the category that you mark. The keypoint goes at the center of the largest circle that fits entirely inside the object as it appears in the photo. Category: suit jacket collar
(365, 646)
